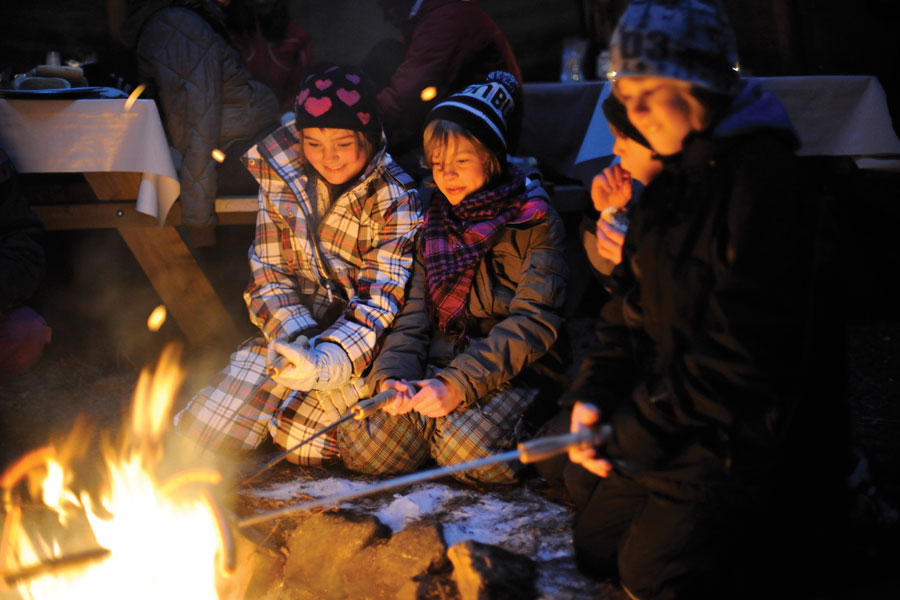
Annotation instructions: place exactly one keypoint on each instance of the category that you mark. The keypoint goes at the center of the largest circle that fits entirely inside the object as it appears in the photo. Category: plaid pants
(384, 444)
(243, 404)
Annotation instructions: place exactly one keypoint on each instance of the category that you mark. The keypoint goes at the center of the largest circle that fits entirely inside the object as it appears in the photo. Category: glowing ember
(156, 318)
(428, 93)
(153, 534)
(134, 95)
(218, 155)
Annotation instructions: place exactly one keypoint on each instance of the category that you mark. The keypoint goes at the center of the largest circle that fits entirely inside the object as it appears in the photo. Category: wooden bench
(161, 252)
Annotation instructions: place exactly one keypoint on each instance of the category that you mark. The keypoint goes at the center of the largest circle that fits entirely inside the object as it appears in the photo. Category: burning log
(157, 539)
(55, 565)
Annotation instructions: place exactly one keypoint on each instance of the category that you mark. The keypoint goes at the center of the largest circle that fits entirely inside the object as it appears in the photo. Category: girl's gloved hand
(275, 362)
(336, 402)
(324, 367)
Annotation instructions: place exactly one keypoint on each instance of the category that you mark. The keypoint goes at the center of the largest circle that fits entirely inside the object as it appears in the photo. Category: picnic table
(124, 157)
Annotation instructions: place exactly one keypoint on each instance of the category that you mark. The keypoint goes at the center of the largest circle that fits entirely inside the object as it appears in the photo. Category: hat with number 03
(689, 40)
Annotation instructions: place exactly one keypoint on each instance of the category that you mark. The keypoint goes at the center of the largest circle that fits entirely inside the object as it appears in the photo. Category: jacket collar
(281, 151)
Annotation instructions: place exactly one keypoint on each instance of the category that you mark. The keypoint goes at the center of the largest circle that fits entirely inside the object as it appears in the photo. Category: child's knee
(381, 445)
(24, 334)
(461, 447)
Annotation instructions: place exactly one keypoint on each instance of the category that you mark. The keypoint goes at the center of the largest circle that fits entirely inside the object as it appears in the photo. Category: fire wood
(487, 572)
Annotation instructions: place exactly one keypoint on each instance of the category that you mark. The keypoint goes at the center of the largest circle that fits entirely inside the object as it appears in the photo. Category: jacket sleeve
(274, 294)
(184, 56)
(530, 329)
(404, 353)
(390, 222)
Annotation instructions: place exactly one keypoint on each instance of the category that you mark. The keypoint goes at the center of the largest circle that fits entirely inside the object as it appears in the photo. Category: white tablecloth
(832, 115)
(76, 136)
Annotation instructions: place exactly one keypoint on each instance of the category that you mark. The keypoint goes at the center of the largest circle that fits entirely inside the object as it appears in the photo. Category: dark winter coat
(702, 353)
(208, 98)
(515, 308)
(450, 44)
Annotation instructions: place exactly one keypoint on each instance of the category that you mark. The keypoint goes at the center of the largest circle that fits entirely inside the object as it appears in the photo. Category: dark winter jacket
(515, 308)
(702, 352)
(208, 98)
(450, 44)
(21, 253)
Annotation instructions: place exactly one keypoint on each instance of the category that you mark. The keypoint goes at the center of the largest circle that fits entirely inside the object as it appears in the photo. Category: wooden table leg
(181, 284)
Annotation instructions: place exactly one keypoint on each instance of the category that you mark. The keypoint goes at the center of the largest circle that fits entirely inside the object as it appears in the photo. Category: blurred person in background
(278, 51)
(208, 99)
(447, 45)
(616, 188)
(23, 332)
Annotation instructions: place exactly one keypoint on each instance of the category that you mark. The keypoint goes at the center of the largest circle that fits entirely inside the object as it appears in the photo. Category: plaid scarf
(455, 240)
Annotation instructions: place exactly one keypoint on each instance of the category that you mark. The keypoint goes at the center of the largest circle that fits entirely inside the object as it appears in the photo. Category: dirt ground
(97, 300)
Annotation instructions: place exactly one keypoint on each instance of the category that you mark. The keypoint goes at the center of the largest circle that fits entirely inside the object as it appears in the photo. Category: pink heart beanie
(339, 97)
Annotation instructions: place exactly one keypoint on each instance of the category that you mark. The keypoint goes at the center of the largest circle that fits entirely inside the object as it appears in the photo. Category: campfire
(153, 531)
(153, 528)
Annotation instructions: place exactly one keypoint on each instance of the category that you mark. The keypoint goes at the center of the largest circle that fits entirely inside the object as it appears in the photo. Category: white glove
(335, 402)
(275, 362)
(324, 367)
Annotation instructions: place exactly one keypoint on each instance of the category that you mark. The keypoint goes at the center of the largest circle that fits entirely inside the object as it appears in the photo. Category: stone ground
(97, 300)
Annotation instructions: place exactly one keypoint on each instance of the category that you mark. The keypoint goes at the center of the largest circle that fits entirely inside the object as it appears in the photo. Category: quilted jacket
(208, 98)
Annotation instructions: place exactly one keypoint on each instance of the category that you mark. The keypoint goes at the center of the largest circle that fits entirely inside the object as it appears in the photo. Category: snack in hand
(616, 217)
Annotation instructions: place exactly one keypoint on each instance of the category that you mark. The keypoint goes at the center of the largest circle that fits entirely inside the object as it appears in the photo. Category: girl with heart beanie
(329, 268)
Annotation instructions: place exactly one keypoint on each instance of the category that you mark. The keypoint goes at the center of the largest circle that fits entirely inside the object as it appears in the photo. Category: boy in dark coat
(709, 362)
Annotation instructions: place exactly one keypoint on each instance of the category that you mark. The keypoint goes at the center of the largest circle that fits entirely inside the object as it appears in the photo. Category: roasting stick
(527, 452)
(359, 411)
(55, 565)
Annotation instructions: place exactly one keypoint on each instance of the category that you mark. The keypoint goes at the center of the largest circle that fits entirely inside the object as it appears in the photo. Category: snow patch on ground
(517, 520)
(318, 488)
(414, 505)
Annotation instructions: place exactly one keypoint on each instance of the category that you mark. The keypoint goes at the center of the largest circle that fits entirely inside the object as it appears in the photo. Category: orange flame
(428, 93)
(134, 95)
(141, 538)
(157, 318)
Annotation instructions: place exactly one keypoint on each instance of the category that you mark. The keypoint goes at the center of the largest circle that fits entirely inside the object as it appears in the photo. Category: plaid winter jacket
(365, 238)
